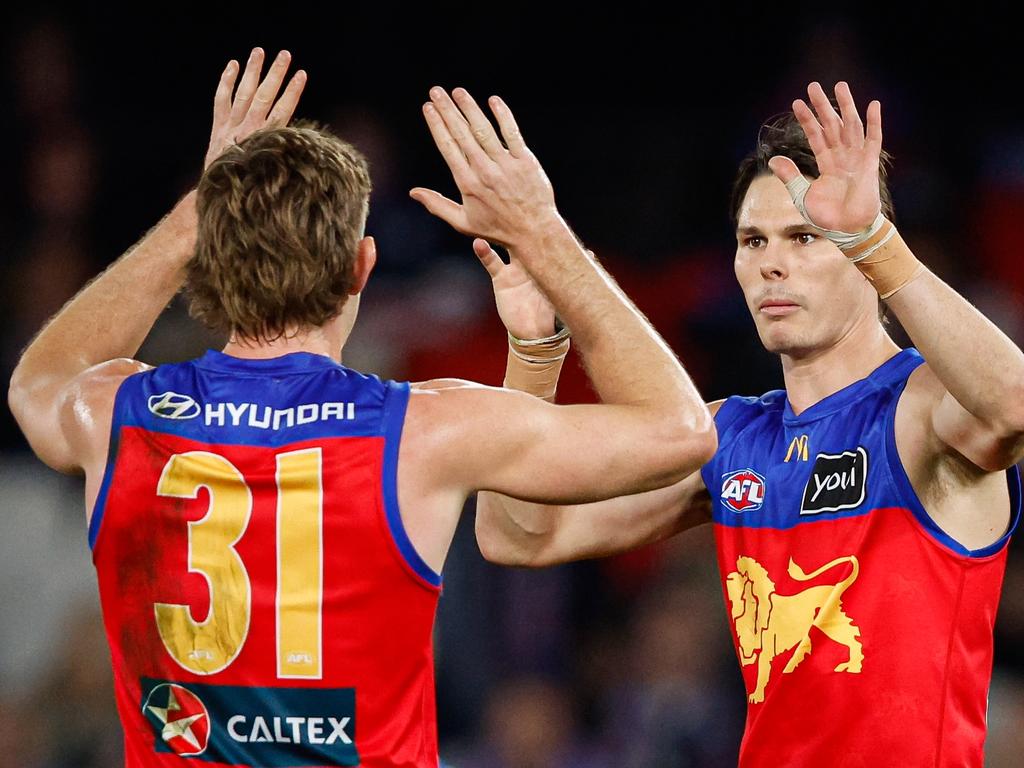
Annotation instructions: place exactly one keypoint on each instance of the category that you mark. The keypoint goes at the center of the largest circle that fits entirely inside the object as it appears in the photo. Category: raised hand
(505, 193)
(253, 106)
(525, 311)
(845, 195)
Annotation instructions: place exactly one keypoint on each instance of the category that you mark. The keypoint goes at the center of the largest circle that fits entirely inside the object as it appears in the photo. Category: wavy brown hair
(280, 219)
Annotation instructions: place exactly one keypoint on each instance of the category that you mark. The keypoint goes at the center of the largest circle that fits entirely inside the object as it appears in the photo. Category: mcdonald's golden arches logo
(797, 448)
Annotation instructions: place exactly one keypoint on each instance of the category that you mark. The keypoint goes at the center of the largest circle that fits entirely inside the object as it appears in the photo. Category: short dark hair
(280, 218)
(782, 135)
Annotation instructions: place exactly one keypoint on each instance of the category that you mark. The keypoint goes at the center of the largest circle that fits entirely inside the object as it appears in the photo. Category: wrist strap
(846, 241)
(534, 365)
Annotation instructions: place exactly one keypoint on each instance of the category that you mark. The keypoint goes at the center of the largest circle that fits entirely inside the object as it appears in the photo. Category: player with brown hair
(268, 525)
(861, 515)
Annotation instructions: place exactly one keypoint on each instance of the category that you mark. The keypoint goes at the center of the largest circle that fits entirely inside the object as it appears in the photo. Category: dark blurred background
(640, 121)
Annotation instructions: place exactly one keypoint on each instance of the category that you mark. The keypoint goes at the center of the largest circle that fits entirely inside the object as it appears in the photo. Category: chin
(785, 341)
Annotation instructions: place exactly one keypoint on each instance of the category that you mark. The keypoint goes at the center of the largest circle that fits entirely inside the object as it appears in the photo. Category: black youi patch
(837, 482)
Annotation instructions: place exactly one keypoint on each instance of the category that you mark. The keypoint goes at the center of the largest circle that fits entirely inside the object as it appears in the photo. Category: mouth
(777, 307)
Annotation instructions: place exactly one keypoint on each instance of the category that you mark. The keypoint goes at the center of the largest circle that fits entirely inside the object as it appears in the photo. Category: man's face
(802, 292)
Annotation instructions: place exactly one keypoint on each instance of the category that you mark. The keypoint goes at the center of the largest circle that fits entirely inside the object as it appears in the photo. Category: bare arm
(979, 411)
(512, 531)
(64, 383)
(653, 428)
(515, 532)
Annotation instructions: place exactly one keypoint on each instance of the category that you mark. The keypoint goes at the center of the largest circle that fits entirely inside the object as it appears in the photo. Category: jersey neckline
(894, 369)
(290, 363)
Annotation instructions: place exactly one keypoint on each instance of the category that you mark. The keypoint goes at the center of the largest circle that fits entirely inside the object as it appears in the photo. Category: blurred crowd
(622, 662)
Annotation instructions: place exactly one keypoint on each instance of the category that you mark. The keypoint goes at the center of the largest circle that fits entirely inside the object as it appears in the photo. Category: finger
(439, 205)
(812, 129)
(458, 128)
(282, 112)
(784, 168)
(509, 129)
(222, 96)
(267, 91)
(874, 130)
(853, 128)
(247, 87)
(488, 257)
(480, 126)
(450, 150)
(830, 122)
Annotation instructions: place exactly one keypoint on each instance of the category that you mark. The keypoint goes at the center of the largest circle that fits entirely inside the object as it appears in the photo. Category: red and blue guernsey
(263, 603)
(863, 631)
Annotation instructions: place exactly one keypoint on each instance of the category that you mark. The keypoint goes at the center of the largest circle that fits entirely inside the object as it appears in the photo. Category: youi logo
(743, 490)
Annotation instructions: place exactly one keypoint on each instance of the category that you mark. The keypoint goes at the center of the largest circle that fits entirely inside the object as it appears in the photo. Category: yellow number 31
(209, 646)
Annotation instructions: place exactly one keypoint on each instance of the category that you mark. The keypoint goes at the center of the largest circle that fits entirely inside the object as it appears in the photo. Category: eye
(754, 241)
(805, 238)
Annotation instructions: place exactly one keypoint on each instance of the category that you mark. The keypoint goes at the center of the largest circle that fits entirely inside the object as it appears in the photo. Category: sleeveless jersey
(863, 631)
(263, 604)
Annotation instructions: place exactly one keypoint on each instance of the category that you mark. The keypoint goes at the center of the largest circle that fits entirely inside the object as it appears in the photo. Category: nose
(773, 261)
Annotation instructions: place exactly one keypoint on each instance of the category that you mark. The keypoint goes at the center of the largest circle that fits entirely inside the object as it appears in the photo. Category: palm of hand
(844, 197)
(525, 311)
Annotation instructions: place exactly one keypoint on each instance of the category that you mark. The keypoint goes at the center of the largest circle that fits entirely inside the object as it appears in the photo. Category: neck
(812, 377)
(317, 341)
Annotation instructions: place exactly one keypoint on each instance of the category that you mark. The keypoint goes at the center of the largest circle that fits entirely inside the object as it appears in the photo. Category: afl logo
(171, 405)
(179, 718)
(743, 490)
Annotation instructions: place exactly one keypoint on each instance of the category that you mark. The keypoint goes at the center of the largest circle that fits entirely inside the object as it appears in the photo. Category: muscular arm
(979, 410)
(511, 531)
(64, 384)
(71, 365)
(652, 428)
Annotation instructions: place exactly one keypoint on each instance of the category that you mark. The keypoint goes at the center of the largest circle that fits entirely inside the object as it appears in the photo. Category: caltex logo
(743, 491)
(180, 718)
(171, 405)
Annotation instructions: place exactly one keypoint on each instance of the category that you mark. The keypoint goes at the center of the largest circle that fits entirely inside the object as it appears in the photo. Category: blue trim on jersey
(113, 445)
(293, 362)
(907, 493)
(898, 366)
(396, 400)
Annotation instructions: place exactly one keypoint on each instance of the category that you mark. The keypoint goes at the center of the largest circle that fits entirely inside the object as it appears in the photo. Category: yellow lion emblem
(769, 624)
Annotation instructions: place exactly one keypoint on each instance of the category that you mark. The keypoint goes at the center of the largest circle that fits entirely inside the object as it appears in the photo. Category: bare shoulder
(443, 413)
(433, 385)
(923, 388)
(86, 409)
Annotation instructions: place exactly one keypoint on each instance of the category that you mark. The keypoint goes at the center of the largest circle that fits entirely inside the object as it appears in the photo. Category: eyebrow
(792, 229)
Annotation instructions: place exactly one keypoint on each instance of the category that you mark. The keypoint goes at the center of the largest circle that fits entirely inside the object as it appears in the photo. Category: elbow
(499, 553)
(501, 549)
(18, 396)
(691, 444)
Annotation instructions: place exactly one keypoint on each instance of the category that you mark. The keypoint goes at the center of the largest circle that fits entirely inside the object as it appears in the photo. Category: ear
(366, 258)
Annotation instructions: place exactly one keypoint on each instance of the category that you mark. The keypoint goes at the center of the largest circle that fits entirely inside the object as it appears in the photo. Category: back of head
(782, 135)
(281, 215)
